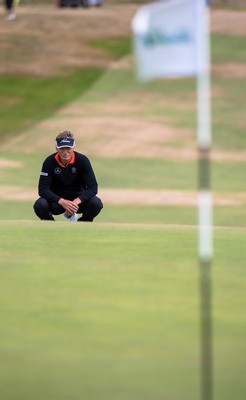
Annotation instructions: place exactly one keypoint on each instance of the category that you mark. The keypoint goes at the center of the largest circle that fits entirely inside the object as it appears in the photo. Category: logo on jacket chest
(57, 170)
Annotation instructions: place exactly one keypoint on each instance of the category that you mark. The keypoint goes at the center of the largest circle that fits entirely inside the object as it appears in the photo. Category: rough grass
(97, 38)
(31, 99)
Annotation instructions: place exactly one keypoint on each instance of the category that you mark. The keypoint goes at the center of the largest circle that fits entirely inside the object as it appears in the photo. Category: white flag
(169, 39)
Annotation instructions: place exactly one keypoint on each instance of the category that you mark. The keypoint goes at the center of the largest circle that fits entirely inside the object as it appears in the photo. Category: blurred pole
(172, 38)
(205, 208)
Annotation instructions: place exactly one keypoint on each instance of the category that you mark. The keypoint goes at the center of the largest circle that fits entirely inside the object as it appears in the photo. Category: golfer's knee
(93, 207)
(41, 208)
(96, 204)
(40, 204)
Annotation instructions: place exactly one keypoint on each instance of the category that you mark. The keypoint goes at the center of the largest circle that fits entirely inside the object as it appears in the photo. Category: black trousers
(45, 210)
(9, 4)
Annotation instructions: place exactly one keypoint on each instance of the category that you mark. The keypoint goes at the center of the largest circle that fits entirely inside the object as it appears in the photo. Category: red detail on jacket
(72, 161)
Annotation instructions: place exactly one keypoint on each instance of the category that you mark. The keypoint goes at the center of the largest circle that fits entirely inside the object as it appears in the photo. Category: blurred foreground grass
(111, 311)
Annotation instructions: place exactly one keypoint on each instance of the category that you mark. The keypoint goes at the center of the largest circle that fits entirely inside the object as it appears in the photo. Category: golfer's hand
(77, 201)
(69, 206)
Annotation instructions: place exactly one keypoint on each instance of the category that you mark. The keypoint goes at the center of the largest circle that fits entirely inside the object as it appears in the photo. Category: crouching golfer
(67, 184)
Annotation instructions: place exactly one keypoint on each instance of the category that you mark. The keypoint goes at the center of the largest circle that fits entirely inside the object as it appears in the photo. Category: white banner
(169, 37)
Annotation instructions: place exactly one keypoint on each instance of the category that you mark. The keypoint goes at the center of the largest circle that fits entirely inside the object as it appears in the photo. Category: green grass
(26, 100)
(145, 174)
(227, 180)
(228, 121)
(118, 47)
(174, 102)
(228, 216)
(31, 99)
(227, 48)
(135, 173)
(112, 312)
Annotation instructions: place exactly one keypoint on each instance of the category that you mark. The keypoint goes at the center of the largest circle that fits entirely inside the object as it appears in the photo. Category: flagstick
(205, 239)
(205, 208)
(152, 54)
